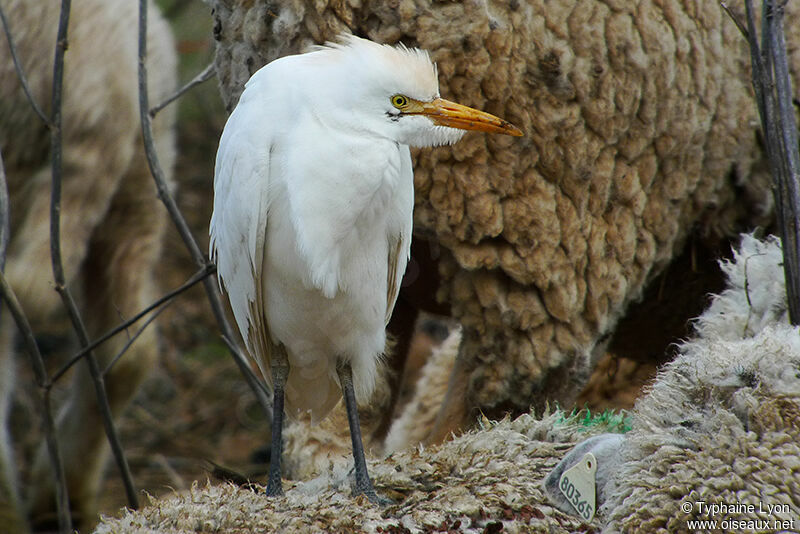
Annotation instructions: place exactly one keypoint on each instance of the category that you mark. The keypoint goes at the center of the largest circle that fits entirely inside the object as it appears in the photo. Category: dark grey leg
(363, 483)
(280, 371)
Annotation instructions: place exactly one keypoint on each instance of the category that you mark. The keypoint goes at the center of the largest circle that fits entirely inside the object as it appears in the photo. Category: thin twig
(257, 385)
(180, 223)
(191, 282)
(57, 264)
(62, 497)
(20, 72)
(28, 338)
(204, 76)
(37, 363)
(735, 19)
(772, 87)
(5, 218)
(133, 338)
(790, 159)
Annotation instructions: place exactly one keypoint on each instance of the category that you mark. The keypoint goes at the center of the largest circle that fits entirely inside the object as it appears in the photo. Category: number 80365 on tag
(576, 499)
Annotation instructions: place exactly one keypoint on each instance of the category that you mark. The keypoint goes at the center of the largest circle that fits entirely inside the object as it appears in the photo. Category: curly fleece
(640, 128)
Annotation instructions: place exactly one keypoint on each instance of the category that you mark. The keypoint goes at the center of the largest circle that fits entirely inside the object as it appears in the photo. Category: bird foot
(373, 497)
(274, 489)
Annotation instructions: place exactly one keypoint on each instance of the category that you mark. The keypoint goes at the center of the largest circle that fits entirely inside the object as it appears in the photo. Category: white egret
(311, 229)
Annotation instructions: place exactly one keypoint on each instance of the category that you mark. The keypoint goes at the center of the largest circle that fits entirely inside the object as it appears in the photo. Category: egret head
(393, 91)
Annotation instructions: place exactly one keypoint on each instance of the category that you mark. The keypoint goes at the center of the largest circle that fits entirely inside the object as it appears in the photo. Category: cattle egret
(311, 229)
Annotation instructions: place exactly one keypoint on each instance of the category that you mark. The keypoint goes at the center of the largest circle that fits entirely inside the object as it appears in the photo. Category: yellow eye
(399, 101)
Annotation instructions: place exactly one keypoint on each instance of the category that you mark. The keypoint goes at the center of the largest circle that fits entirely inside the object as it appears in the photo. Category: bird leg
(363, 482)
(280, 371)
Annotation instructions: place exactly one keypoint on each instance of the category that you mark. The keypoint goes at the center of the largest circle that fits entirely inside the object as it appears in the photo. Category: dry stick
(770, 71)
(262, 394)
(58, 268)
(735, 19)
(133, 338)
(198, 276)
(63, 501)
(20, 72)
(62, 496)
(5, 221)
(204, 76)
(790, 158)
(37, 363)
(180, 223)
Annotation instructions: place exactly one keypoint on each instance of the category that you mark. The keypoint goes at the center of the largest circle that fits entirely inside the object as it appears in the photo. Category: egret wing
(399, 246)
(238, 229)
(395, 274)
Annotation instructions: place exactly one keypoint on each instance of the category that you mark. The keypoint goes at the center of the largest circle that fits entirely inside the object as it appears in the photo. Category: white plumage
(312, 221)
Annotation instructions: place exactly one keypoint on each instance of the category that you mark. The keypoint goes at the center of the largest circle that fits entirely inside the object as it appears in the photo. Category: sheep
(478, 482)
(719, 425)
(111, 224)
(640, 130)
(739, 445)
(726, 409)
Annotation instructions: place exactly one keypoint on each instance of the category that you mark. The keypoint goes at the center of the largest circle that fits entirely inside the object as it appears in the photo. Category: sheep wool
(417, 418)
(721, 424)
(483, 481)
(639, 127)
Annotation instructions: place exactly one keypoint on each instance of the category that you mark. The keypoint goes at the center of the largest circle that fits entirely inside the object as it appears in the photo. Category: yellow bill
(445, 113)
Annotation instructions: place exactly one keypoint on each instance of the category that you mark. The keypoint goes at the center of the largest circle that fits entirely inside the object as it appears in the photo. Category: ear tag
(578, 486)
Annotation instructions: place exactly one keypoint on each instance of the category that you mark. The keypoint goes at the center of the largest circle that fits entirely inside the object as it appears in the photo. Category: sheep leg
(280, 372)
(454, 415)
(363, 482)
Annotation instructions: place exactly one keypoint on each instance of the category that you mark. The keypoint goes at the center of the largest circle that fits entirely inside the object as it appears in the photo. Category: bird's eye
(399, 101)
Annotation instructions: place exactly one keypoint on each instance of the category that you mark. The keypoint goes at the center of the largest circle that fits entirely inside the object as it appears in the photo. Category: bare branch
(180, 223)
(197, 277)
(28, 338)
(772, 87)
(37, 363)
(204, 76)
(789, 157)
(20, 72)
(5, 220)
(58, 267)
(133, 338)
(258, 386)
(735, 19)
